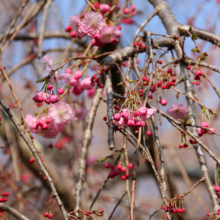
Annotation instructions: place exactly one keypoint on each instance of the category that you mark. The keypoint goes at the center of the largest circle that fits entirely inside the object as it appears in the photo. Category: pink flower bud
(54, 99)
(117, 117)
(47, 101)
(200, 132)
(104, 8)
(68, 71)
(76, 90)
(125, 115)
(204, 124)
(130, 166)
(143, 110)
(73, 34)
(150, 96)
(126, 10)
(77, 75)
(131, 122)
(60, 91)
(163, 102)
(97, 36)
(212, 129)
(136, 113)
(170, 70)
(198, 73)
(50, 87)
(85, 83)
(133, 7)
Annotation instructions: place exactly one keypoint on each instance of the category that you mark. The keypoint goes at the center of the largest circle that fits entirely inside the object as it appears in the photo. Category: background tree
(109, 110)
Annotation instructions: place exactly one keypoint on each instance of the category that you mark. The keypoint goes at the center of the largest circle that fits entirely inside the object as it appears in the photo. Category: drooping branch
(35, 154)
(197, 147)
(13, 212)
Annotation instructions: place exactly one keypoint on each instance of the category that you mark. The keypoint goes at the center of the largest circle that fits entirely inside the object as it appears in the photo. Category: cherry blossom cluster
(4, 196)
(92, 24)
(197, 76)
(210, 213)
(96, 80)
(204, 131)
(73, 80)
(130, 12)
(133, 118)
(50, 124)
(119, 169)
(166, 80)
(139, 45)
(173, 207)
(104, 8)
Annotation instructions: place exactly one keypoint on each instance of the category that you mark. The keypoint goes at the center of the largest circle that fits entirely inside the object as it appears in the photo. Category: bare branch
(13, 212)
(84, 150)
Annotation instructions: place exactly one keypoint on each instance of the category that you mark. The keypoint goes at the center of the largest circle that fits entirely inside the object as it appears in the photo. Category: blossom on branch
(177, 111)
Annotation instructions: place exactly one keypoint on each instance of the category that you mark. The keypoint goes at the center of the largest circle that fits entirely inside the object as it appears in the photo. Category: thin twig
(118, 203)
(187, 179)
(20, 26)
(11, 26)
(43, 26)
(13, 212)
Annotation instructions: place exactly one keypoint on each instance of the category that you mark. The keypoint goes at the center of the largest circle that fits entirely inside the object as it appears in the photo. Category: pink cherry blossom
(110, 33)
(48, 63)
(177, 111)
(40, 127)
(73, 81)
(125, 115)
(65, 77)
(61, 113)
(85, 83)
(116, 117)
(30, 122)
(131, 122)
(75, 20)
(93, 23)
(122, 122)
(80, 28)
(150, 112)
